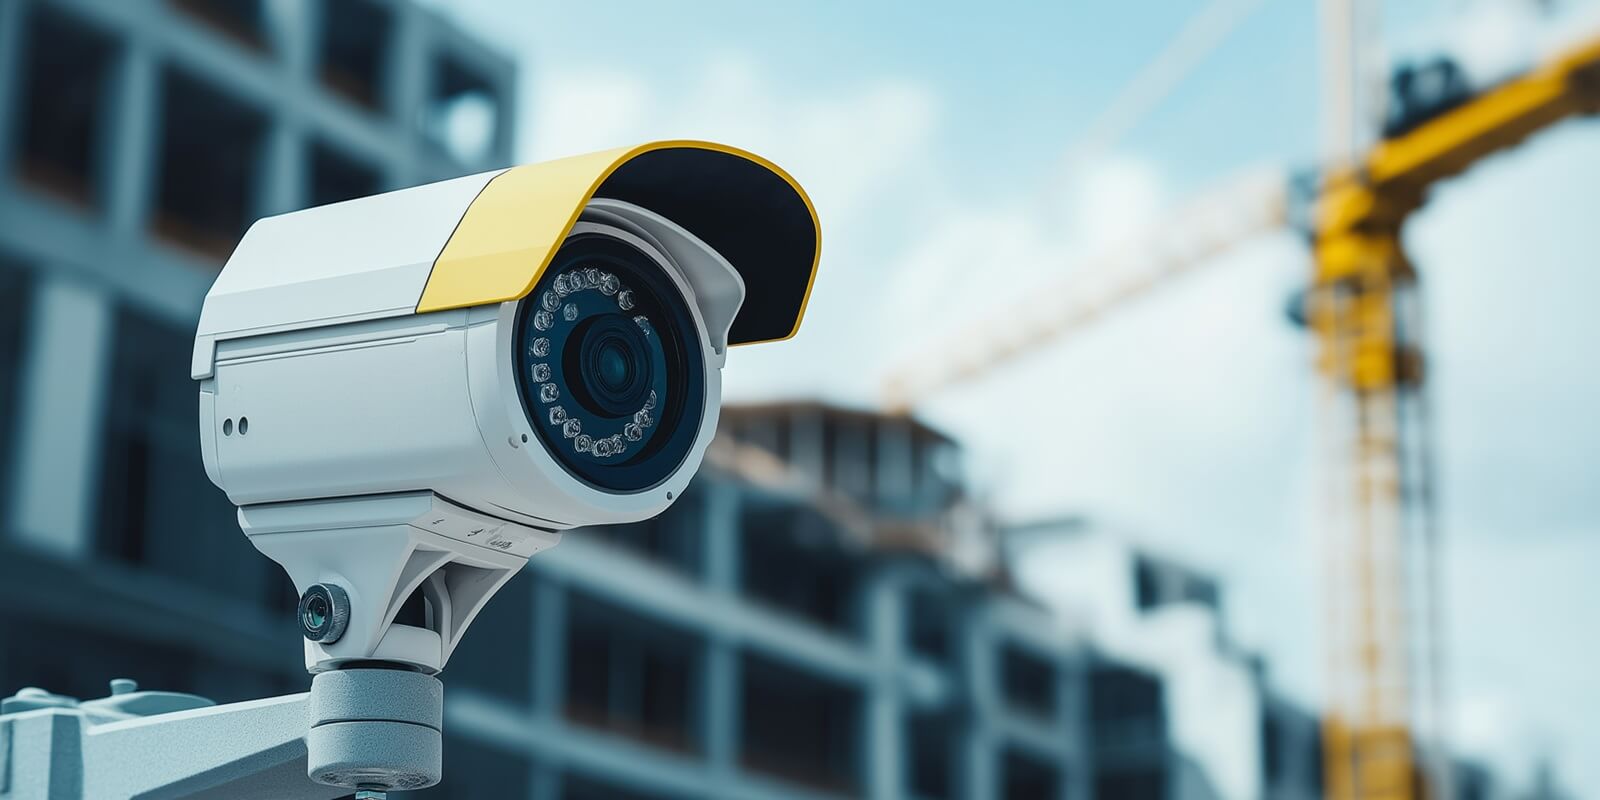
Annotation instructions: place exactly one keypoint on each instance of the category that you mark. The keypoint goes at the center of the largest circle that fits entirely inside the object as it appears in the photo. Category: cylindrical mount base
(374, 728)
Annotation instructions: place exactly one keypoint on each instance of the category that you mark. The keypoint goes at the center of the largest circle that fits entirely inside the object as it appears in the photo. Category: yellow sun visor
(748, 209)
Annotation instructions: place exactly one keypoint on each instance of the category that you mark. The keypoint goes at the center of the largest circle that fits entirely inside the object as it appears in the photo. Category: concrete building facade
(757, 642)
(823, 614)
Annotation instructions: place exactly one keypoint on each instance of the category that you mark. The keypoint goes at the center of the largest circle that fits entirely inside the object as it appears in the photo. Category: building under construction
(828, 613)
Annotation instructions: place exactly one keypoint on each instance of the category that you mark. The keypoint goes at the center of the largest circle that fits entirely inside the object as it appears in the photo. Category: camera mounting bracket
(383, 549)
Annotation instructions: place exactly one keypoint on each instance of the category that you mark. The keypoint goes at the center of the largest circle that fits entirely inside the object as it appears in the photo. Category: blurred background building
(830, 612)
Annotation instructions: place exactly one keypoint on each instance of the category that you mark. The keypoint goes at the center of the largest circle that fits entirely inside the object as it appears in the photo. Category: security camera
(407, 395)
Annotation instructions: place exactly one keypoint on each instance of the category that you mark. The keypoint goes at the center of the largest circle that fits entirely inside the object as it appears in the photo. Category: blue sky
(933, 137)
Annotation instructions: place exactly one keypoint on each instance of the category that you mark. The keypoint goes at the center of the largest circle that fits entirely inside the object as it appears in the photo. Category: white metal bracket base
(381, 550)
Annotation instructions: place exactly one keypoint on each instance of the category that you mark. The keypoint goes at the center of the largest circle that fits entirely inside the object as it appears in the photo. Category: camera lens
(324, 613)
(613, 364)
(316, 613)
(610, 366)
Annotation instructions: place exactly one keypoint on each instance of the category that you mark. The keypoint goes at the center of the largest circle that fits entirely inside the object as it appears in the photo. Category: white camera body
(370, 397)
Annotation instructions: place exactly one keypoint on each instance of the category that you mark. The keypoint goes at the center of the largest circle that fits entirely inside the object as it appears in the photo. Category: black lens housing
(607, 363)
(613, 364)
(324, 613)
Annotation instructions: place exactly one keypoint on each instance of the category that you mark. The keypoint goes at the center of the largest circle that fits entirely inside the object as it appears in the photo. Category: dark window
(355, 49)
(1475, 783)
(1146, 783)
(1126, 709)
(632, 676)
(1120, 692)
(1203, 592)
(463, 110)
(336, 177)
(1027, 681)
(772, 434)
(931, 742)
(157, 507)
(14, 303)
(243, 21)
(1157, 584)
(81, 662)
(475, 770)
(791, 559)
(582, 787)
(1025, 777)
(1271, 747)
(672, 538)
(1146, 585)
(932, 615)
(847, 444)
(65, 91)
(831, 438)
(874, 452)
(785, 443)
(925, 447)
(799, 727)
(496, 652)
(210, 167)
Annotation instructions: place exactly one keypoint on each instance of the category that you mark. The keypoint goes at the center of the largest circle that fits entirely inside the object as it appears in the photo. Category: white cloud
(584, 111)
(846, 147)
(865, 154)
(1495, 39)
(968, 263)
(1116, 199)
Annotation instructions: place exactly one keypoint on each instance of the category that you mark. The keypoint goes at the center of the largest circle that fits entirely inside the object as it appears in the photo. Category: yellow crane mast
(1364, 314)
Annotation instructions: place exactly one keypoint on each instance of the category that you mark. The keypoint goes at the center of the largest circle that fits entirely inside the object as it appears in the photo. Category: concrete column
(283, 170)
(721, 677)
(720, 545)
(885, 756)
(806, 450)
(549, 647)
(720, 693)
(504, 151)
(407, 84)
(976, 654)
(135, 116)
(62, 412)
(548, 674)
(298, 37)
(544, 781)
(1071, 719)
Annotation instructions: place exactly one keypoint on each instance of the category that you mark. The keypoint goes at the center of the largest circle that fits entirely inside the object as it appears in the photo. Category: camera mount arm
(374, 553)
(168, 745)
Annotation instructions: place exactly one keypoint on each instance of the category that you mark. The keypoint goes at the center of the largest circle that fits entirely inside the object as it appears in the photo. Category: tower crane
(1363, 312)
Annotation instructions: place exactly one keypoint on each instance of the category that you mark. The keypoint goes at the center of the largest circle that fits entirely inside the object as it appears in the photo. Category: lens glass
(610, 365)
(616, 365)
(316, 616)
